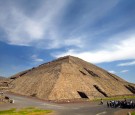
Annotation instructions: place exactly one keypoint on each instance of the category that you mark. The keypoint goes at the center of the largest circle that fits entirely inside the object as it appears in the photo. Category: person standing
(101, 102)
(108, 105)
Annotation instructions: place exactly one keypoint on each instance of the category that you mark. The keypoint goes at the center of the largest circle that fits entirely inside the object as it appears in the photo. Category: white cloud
(43, 25)
(39, 29)
(71, 41)
(127, 63)
(20, 29)
(112, 71)
(36, 59)
(124, 71)
(122, 50)
(74, 41)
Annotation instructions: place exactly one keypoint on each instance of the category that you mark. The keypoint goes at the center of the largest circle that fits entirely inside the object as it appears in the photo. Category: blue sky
(99, 31)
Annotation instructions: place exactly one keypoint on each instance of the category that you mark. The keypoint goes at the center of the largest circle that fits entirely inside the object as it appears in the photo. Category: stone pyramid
(69, 78)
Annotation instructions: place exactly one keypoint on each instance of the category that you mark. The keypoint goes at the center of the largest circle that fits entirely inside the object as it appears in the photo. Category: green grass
(25, 111)
(115, 98)
(133, 113)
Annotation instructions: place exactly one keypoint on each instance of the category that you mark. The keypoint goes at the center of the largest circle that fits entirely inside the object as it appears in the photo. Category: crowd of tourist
(121, 104)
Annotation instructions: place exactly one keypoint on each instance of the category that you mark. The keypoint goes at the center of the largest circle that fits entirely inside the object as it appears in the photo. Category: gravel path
(92, 108)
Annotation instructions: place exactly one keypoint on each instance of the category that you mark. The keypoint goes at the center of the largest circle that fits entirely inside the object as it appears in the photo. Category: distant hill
(1, 78)
(69, 78)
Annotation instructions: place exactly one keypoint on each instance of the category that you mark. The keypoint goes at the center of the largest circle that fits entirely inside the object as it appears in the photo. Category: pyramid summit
(69, 78)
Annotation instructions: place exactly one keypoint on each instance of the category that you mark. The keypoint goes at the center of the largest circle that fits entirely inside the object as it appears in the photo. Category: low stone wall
(5, 99)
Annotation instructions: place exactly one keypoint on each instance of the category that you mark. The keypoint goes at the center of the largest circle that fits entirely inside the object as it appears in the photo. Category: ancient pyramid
(69, 78)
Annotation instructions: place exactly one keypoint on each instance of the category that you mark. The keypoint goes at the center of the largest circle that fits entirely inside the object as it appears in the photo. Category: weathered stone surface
(4, 83)
(69, 78)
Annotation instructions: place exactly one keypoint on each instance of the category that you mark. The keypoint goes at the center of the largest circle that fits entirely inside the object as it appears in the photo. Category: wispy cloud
(48, 27)
(36, 59)
(124, 71)
(112, 71)
(94, 12)
(127, 63)
(44, 25)
(120, 50)
(41, 27)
